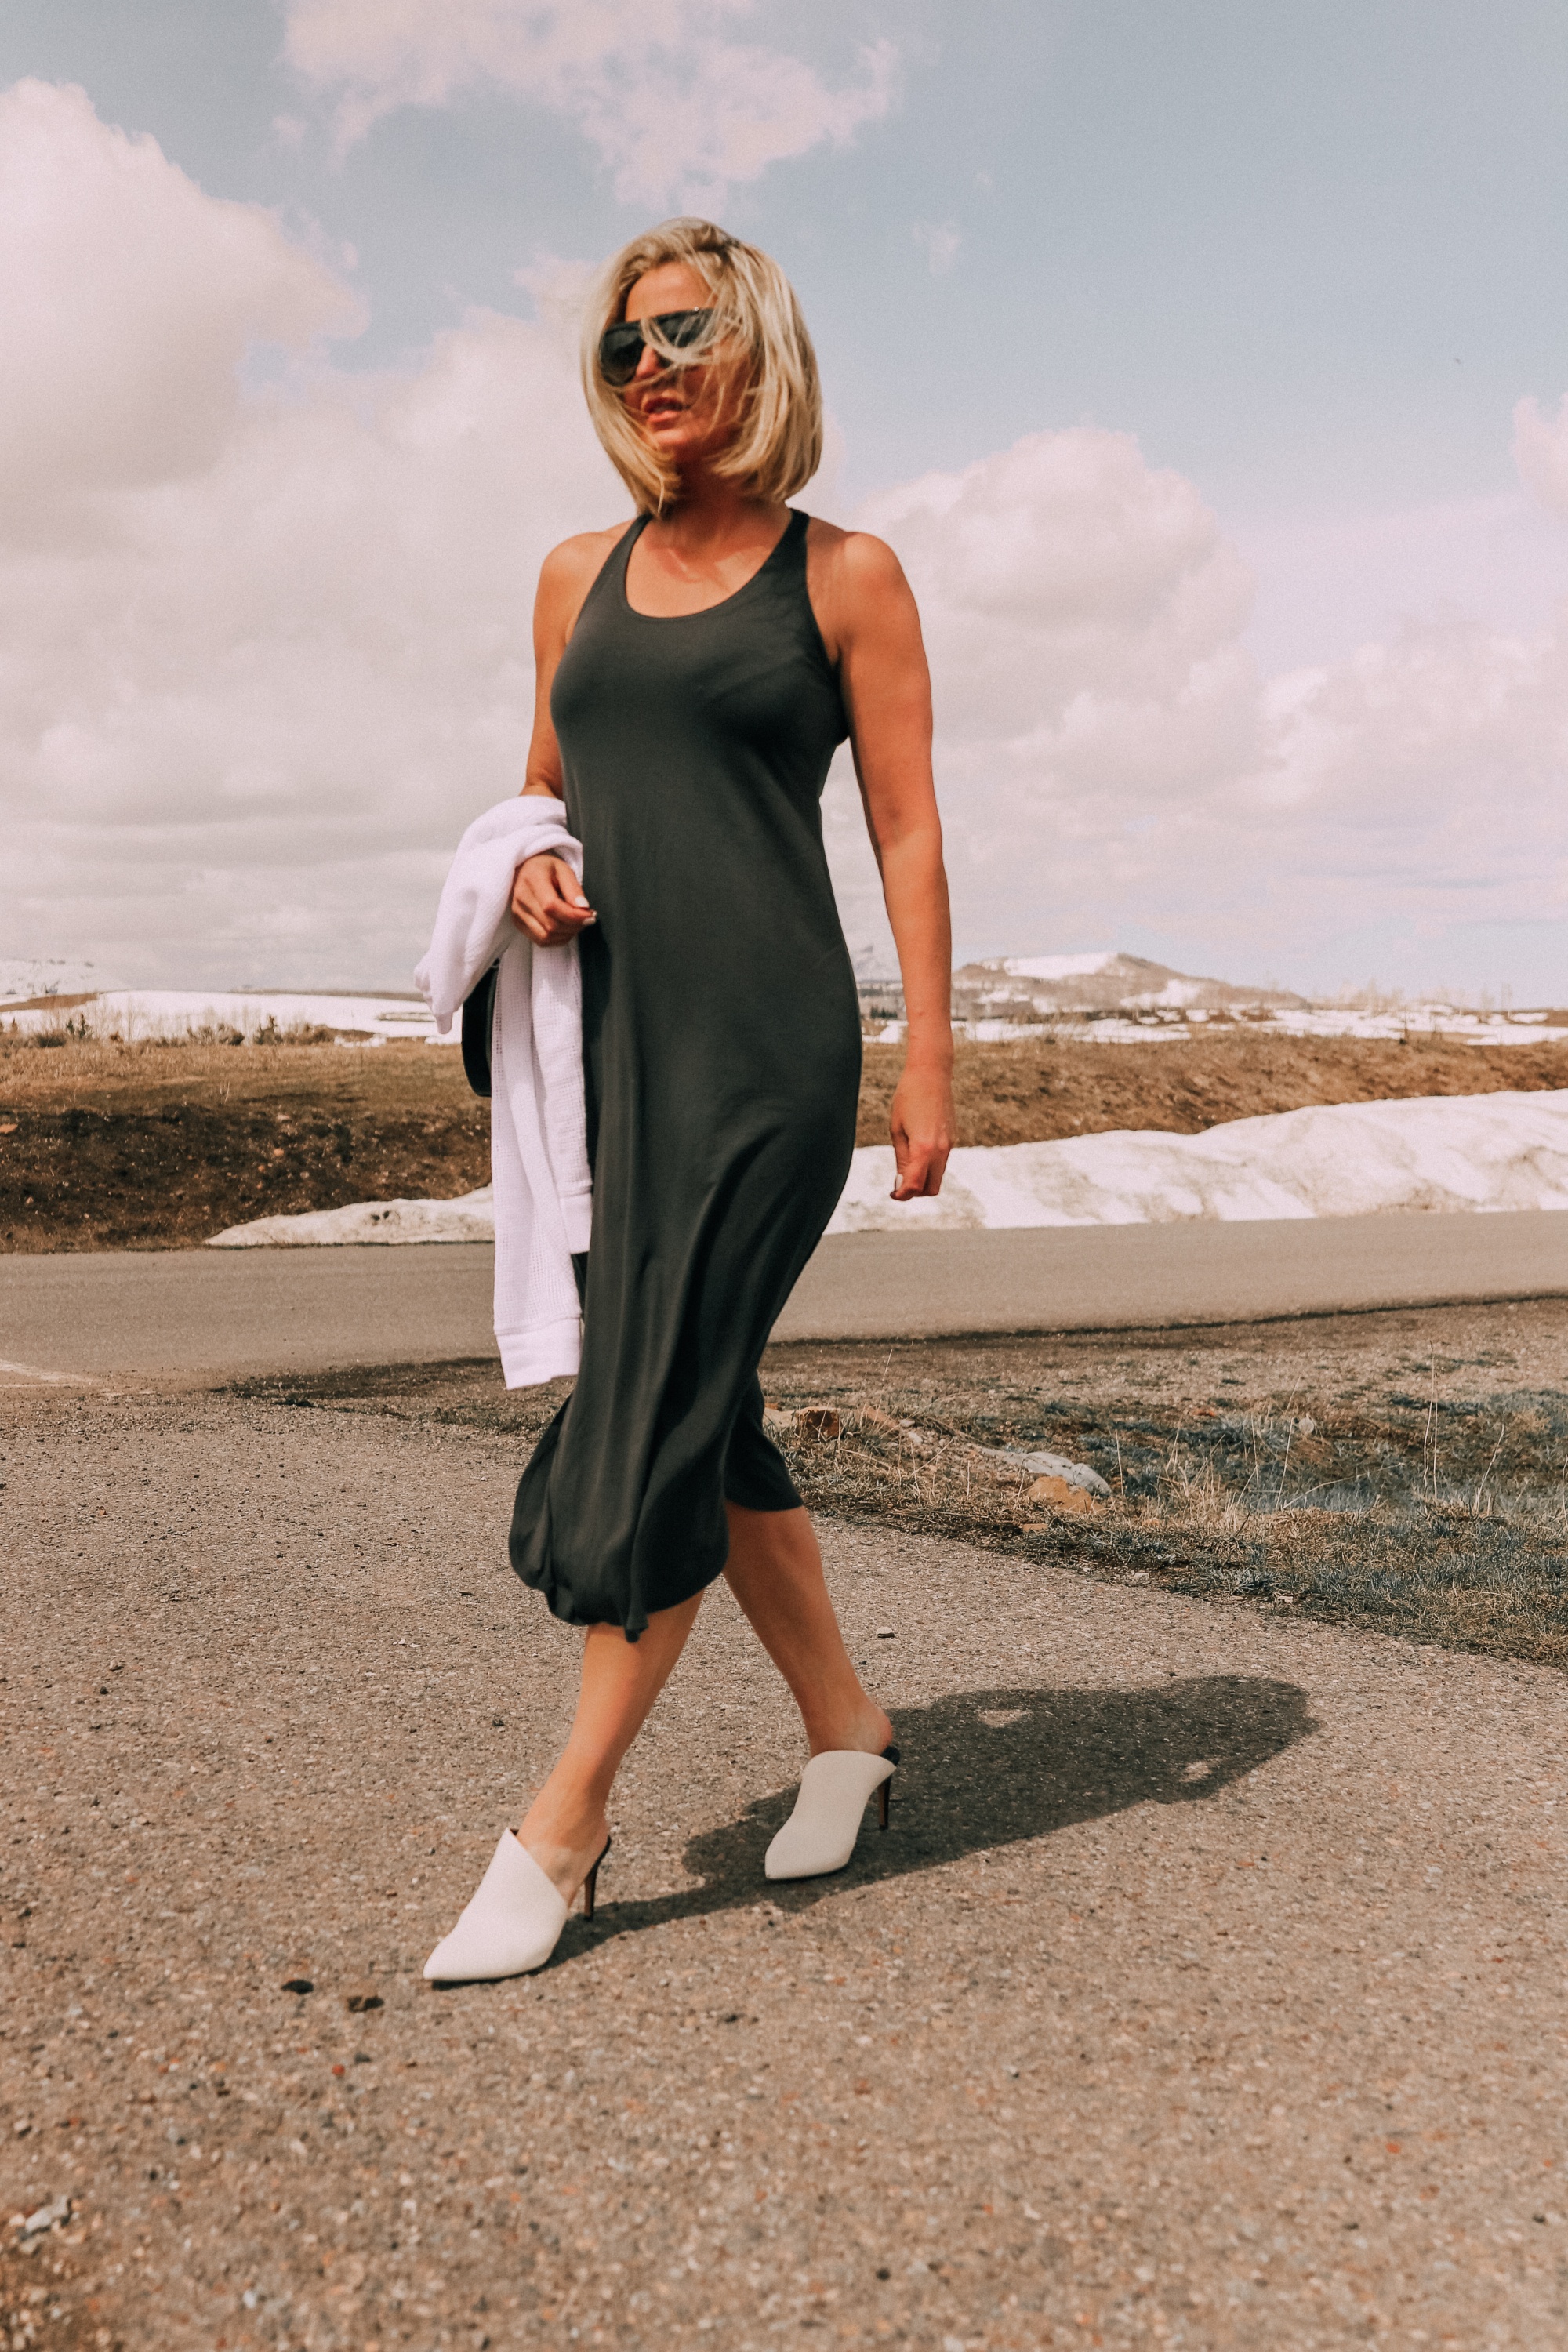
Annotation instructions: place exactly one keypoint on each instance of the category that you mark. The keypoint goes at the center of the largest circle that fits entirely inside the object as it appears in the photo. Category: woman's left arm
(875, 632)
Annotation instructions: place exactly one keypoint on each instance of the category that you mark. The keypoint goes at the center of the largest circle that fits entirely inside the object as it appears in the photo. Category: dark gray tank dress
(721, 1047)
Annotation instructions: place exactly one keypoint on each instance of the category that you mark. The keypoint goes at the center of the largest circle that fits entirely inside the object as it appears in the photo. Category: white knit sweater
(539, 1150)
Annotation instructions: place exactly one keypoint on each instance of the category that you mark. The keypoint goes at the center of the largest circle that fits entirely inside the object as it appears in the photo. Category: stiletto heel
(591, 1883)
(513, 1923)
(884, 1799)
(819, 1835)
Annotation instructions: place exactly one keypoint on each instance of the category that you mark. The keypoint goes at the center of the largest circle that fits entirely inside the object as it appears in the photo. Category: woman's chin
(677, 443)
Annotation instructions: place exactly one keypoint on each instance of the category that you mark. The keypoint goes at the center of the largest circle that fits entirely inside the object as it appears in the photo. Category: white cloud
(678, 106)
(128, 299)
(260, 655)
(1082, 614)
(263, 653)
(1423, 780)
(1109, 757)
(1329, 583)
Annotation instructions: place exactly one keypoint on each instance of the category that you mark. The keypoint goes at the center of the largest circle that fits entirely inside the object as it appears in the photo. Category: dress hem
(632, 1632)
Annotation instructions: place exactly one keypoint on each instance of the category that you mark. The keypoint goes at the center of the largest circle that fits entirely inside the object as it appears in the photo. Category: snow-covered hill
(26, 976)
(1039, 988)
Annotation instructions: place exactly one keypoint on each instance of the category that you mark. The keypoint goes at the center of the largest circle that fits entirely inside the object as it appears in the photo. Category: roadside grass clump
(74, 1031)
(1447, 1524)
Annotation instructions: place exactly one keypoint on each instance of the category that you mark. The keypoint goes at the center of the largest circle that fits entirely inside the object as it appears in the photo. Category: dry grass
(1437, 1509)
(214, 1068)
(1429, 1498)
(1468, 1561)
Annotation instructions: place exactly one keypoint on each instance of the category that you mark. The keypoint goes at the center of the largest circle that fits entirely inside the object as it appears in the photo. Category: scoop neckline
(705, 612)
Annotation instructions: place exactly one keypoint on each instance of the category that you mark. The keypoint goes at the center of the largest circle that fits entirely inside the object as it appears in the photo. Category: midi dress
(722, 1056)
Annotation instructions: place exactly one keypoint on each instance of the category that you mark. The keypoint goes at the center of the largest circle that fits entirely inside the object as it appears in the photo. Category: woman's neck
(708, 513)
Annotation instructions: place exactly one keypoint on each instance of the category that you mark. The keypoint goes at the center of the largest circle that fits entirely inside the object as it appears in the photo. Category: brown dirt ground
(149, 1147)
(106, 1146)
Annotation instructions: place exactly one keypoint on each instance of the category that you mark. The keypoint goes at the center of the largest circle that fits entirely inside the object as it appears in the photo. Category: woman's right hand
(547, 900)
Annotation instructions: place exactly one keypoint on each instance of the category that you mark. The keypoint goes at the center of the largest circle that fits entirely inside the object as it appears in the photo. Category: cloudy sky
(1205, 362)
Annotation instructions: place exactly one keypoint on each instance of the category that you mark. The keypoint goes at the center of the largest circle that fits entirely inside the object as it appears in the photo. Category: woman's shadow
(990, 1767)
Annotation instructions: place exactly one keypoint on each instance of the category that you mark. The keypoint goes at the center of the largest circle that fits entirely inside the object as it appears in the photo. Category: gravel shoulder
(1206, 1991)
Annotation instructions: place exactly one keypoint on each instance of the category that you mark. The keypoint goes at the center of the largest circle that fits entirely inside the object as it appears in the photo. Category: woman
(695, 671)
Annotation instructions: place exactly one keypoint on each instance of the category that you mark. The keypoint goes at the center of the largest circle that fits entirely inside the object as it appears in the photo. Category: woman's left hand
(547, 900)
(921, 1122)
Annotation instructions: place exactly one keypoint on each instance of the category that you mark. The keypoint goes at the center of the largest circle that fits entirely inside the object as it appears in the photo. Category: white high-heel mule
(819, 1835)
(513, 1924)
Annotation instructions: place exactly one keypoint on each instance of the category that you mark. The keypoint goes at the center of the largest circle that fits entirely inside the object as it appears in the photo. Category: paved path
(218, 1313)
(1206, 1992)
(1108, 1277)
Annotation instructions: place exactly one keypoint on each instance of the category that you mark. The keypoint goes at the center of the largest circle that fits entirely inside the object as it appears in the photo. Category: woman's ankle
(864, 1727)
(565, 1866)
(563, 1828)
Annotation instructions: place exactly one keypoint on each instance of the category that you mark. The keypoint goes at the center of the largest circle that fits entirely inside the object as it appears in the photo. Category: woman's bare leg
(775, 1573)
(565, 1827)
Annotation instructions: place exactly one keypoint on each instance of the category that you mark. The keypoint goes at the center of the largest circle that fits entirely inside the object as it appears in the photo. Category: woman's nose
(649, 362)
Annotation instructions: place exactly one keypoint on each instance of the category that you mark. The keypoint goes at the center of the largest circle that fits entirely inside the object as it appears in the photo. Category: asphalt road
(1206, 1992)
(211, 1314)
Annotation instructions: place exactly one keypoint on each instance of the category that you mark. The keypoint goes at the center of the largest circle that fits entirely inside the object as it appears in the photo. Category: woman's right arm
(547, 900)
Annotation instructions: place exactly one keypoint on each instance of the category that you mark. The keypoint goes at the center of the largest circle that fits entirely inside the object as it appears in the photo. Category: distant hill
(25, 976)
(1042, 988)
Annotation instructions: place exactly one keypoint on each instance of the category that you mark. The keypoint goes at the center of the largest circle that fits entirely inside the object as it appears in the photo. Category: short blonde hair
(778, 445)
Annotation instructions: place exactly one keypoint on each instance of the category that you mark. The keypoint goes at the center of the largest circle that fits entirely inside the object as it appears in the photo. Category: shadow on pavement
(986, 1769)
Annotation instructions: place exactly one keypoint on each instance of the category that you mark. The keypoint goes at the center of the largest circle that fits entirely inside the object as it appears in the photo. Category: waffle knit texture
(539, 1146)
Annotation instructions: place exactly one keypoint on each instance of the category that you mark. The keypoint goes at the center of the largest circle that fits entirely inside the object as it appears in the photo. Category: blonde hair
(778, 443)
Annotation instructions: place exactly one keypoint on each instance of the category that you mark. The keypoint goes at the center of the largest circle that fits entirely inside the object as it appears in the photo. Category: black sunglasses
(621, 347)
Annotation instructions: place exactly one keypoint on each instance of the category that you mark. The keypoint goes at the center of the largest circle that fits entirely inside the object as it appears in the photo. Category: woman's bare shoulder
(855, 581)
(856, 562)
(577, 562)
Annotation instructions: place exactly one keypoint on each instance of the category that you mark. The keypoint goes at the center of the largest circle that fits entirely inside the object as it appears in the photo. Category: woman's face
(690, 412)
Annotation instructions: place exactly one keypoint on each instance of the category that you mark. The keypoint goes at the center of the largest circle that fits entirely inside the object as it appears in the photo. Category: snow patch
(470, 1218)
(1067, 967)
(1348, 1159)
(154, 1012)
(1439, 1153)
